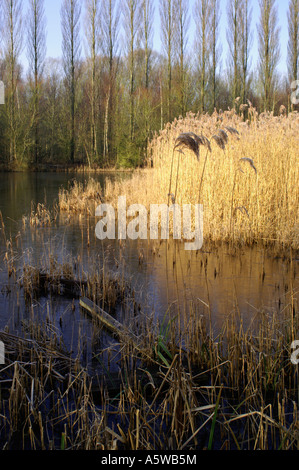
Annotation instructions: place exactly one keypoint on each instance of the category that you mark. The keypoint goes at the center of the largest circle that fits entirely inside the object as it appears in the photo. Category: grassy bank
(79, 168)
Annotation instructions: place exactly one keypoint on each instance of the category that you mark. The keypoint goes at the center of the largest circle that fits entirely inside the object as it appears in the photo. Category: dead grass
(40, 216)
(80, 197)
(236, 391)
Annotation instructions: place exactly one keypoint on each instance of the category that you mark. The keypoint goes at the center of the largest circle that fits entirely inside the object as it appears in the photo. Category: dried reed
(239, 389)
(80, 197)
(269, 193)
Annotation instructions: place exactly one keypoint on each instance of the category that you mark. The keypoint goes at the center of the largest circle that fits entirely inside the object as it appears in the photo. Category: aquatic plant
(236, 391)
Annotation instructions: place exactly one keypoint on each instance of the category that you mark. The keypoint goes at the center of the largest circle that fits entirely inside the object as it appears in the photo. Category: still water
(163, 276)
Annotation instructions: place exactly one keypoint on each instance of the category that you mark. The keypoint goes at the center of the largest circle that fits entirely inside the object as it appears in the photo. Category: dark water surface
(216, 282)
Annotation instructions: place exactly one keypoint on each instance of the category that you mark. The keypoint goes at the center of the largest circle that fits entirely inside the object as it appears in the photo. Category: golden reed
(245, 173)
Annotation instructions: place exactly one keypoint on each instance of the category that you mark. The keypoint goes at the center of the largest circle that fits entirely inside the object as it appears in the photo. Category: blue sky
(52, 8)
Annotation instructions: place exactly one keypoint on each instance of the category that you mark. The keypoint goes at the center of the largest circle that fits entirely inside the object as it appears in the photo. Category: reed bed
(245, 173)
(236, 391)
(40, 216)
(80, 197)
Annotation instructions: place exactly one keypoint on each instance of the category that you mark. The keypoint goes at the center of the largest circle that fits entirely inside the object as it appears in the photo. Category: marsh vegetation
(212, 369)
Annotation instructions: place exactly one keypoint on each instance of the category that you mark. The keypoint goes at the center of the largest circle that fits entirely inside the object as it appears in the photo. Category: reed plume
(219, 141)
(250, 161)
(189, 141)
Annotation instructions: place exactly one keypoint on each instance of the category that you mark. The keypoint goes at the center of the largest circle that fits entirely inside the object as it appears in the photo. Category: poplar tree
(167, 37)
(183, 22)
(269, 50)
(148, 18)
(70, 23)
(53, 98)
(293, 45)
(203, 15)
(132, 16)
(234, 16)
(215, 50)
(245, 46)
(12, 37)
(92, 34)
(109, 23)
(148, 11)
(36, 50)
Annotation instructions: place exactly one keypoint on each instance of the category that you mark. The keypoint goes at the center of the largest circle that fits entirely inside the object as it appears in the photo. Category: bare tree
(245, 46)
(203, 15)
(70, 22)
(293, 45)
(12, 35)
(109, 20)
(167, 36)
(269, 49)
(234, 15)
(147, 35)
(36, 49)
(92, 34)
(215, 50)
(132, 16)
(183, 22)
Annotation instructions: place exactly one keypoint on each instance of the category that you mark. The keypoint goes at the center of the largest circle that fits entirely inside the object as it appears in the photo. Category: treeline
(110, 91)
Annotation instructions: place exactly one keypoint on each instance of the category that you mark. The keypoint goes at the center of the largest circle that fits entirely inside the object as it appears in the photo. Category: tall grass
(247, 183)
(80, 197)
(237, 391)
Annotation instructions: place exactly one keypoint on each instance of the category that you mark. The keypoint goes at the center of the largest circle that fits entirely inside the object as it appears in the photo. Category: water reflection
(218, 282)
(18, 190)
(162, 274)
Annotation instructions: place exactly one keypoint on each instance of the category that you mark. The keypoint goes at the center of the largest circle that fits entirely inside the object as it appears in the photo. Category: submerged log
(110, 323)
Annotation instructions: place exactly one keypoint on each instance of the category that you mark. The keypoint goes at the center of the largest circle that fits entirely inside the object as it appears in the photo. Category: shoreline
(52, 168)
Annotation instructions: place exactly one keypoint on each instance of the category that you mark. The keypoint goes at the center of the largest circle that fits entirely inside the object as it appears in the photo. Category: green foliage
(212, 432)
(128, 155)
(163, 340)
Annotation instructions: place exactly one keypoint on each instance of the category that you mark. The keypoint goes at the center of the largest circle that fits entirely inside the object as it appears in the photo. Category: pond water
(163, 275)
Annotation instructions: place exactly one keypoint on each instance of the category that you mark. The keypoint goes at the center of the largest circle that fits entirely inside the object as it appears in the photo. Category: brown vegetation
(247, 183)
(185, 387)
(237, 391)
